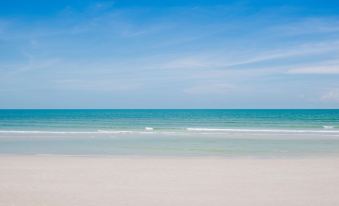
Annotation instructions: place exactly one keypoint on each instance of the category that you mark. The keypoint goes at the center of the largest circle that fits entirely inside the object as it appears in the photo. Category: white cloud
(331, 95)
(101, 85)
(222, 59)
(29, 66)
(209, 89)
(314, 25)
(3, 25)
(327, 67)
(289, 52)
(188, 62)
(315, 70)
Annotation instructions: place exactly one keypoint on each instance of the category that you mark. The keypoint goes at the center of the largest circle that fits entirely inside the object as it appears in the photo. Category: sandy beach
(69, 180)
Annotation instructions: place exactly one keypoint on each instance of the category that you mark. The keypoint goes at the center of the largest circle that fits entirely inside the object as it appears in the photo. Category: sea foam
(328, 127)
(259, 130)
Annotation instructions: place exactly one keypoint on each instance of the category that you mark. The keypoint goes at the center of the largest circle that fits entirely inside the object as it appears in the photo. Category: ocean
(185, 132)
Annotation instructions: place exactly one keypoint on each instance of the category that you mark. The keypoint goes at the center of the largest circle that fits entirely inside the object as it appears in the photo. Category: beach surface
(55, 180)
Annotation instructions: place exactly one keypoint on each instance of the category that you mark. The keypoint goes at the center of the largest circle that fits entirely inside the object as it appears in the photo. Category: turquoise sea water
(170, 132)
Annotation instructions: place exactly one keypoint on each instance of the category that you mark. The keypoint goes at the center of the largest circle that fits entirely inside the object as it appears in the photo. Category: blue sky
(169, 54)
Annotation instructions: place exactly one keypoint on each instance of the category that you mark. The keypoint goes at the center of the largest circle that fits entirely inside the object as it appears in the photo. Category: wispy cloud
(209, 88)
(97, 85)
(323, 69)
(29, 66)
(308, 26)
(331, 96)
(249, 59)
(3, 25)
(178, 52)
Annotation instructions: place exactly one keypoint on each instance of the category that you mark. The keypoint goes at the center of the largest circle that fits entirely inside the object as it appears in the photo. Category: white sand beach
(69, 180)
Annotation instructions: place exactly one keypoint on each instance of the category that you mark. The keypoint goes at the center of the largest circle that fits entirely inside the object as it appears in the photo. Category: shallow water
(170, 132)
(94, 120)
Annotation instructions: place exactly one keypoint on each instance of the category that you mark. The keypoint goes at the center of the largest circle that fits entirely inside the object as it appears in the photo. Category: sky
(169, 54)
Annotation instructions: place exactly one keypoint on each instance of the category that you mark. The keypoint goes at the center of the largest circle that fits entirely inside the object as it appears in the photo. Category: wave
(42, 132)
(328, 127)
(150, 130)
(260, 130)
(71, 132)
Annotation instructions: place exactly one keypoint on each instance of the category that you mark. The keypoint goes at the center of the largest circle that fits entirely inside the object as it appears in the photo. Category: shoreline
(177, 156)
